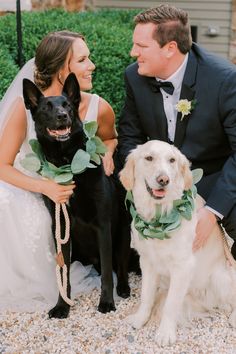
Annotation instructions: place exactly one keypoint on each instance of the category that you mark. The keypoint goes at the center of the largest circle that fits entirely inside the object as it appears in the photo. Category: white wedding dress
(27, 263)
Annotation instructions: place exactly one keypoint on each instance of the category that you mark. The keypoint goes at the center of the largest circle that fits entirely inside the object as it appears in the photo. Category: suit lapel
(187, 92)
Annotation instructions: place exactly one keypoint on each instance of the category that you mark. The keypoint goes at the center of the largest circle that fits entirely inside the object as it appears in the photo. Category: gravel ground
(88, 331)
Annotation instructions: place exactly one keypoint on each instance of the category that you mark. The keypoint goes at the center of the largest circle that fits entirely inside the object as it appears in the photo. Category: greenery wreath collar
(163, 224)
(95, 148)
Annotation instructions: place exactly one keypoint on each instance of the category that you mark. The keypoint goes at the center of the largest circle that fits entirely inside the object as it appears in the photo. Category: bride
(27, 265)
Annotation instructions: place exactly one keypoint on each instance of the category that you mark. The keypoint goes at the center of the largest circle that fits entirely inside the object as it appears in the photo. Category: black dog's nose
(163, 180)
(61, 115)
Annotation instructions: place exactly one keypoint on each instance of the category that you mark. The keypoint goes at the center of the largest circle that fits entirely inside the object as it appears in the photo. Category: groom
(171, 68)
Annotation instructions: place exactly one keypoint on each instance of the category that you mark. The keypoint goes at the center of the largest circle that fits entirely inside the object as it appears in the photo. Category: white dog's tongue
(158, 192)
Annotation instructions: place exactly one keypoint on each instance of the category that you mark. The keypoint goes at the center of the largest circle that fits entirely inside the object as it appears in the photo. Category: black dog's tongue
(60, 134)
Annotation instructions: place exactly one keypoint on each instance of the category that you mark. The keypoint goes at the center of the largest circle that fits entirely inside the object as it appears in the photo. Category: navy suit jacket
(207, 136)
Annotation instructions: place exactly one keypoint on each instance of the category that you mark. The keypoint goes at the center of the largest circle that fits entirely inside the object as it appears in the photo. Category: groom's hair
(172, 25)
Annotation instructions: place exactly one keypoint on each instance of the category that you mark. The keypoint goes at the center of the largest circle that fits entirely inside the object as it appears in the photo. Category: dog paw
(136, 321)
(123, 290)
(59, 312)
(166, 335)
(105, 307)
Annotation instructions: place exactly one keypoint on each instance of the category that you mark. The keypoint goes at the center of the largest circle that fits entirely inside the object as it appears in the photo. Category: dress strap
(92, 112)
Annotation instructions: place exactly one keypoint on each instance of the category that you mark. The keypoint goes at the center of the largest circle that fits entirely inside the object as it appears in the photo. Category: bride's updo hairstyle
(51, 55)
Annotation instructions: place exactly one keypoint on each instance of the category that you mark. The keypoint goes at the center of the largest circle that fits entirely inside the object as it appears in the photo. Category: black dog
(93, 207)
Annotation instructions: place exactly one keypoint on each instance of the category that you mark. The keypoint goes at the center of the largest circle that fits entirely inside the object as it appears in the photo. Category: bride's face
(80, 64)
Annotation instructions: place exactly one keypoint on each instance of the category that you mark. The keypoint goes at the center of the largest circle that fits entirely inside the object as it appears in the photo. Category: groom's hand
(205, 225)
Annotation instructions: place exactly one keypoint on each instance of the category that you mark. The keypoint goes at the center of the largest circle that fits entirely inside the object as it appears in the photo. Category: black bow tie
(167, 86)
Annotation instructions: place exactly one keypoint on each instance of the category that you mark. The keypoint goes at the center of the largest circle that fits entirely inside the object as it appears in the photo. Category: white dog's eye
(148, 158)
(172, 160)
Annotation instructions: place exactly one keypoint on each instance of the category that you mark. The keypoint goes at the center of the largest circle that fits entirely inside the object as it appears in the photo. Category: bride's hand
(108, 163)
(58, 193)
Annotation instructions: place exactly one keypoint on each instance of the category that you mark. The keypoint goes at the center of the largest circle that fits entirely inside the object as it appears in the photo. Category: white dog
(158, 174)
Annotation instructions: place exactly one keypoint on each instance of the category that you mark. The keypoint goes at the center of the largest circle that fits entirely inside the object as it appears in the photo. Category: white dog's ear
(127, 173)
(186, 172)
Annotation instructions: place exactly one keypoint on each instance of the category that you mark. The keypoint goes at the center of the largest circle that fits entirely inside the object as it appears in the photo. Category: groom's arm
(223, 196)
(130, 132)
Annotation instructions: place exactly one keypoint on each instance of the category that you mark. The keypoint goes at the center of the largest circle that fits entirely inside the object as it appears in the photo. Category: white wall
(10, 5)
(202, 13)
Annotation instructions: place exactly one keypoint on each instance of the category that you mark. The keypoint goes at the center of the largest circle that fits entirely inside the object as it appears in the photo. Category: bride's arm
(107, 132)
(11, 140)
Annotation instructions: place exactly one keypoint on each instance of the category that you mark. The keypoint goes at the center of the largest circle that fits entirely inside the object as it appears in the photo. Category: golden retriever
(157, 174)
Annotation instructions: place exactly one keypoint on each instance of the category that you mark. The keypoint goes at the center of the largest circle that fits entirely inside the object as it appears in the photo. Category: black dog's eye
(49, 105)
(148, 158)
(172, 160)
(65, 104)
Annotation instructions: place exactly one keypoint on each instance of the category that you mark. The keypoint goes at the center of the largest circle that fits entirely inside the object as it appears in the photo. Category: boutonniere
(185, 107)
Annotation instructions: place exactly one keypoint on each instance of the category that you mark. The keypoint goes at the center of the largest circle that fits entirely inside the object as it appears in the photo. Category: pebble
(130, 338)
(87, 331)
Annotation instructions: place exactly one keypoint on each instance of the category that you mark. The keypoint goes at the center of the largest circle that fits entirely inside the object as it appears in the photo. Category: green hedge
(8, 69)
(108, 34)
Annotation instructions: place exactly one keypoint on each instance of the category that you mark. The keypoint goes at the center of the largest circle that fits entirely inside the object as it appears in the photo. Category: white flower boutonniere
(185, 107)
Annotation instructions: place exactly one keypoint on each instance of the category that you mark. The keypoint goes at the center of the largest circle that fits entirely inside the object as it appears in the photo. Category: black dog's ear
(71, 89)
(31, 95)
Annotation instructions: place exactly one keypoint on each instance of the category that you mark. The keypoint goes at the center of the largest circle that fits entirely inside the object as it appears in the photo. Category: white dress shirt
(170, 101)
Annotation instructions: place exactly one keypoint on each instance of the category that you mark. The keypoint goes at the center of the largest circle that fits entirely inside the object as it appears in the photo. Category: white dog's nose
(163, 180)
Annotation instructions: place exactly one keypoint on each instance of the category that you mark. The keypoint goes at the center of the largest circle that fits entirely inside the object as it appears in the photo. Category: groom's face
(150, 56)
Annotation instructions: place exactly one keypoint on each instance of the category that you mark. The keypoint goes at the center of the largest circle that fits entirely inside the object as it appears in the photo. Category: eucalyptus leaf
(31, 154)
(152, 226)
(64, 178)
(170, 217)
(58, 170)
(90, 146)
(46, 172)
(64, 168)
(178, 202)
(152, 234)
(129, 198)
(133, 212)
(52, 167)
(90, 128)
(139, 224)
(36, 147)
(194, 191)
(173, 226)
(158, 212)
(182, 208)
(31, 163)
(96, 158)
(187, 213)
(100, 146)
(91, 165)
(191, 202)
(197, 175)
(80, 161)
